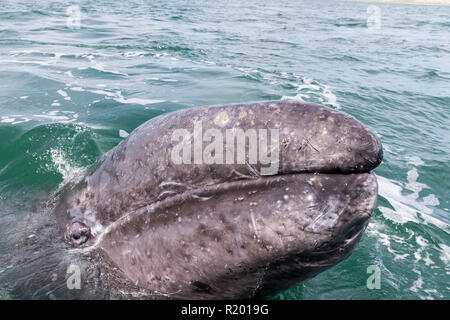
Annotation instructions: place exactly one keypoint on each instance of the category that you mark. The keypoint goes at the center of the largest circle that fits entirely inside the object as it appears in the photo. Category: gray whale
(234, 229)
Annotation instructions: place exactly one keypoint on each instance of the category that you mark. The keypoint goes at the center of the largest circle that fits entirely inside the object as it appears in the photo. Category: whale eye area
(79, 233)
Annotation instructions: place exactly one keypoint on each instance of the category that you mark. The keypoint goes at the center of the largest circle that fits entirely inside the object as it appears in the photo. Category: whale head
(234, 201)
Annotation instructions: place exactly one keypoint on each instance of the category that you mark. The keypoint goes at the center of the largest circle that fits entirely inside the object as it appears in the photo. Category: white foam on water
(309, 88)
(79, 89)
(53, 117)
(25, 51)
(409, 207)
(330, 98)
(416, 161)
(137, 101)
(14, 119)
(377, 230)
(134, 54)
(431, 200)
(388, 149)
(42, 63)
(209, 62)
(422, 243)
(418, 283)
(445, 256)
(101, 67)
(422, 250)
(393, 193)
(7, 120)
(88, 56)
(58, 116)
(168, 80)
(123, 133)
(69, 73)
(57, 55)
(62, 93)
(21, 121)
(103, 92)
(412, 183)
(427, 259)
(164, 54)
(117, 96)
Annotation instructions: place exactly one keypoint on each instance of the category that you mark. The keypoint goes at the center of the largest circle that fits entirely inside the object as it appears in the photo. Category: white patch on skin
(242, 114)
(222, 119)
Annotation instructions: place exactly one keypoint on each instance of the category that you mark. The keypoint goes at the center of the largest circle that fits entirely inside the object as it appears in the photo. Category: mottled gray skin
(222, 230)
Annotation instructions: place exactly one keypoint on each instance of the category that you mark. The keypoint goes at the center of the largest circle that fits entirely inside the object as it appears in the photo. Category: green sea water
(75, 77)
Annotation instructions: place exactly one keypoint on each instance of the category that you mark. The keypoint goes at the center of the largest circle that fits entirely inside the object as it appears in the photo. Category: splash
(68, 170)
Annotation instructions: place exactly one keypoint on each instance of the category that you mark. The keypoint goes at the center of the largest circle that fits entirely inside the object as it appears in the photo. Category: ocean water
(76, 77)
